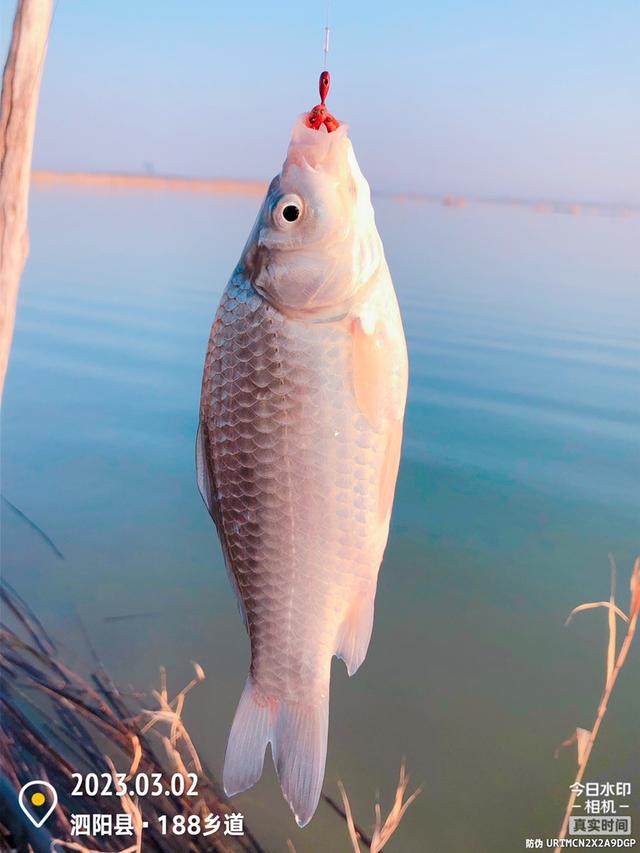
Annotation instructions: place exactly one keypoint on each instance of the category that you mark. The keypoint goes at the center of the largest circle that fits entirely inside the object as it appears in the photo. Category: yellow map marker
(37, 799)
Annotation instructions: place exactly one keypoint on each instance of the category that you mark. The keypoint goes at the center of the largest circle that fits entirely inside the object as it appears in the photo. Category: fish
(298, 447)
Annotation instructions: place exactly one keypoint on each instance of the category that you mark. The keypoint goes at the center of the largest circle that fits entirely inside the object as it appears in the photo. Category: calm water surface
(519, 475)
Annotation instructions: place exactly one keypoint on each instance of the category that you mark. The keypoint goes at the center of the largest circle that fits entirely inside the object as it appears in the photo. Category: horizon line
(135, 180)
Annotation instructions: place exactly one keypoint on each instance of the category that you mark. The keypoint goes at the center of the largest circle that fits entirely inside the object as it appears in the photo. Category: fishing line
(327, 34)
(319, 116)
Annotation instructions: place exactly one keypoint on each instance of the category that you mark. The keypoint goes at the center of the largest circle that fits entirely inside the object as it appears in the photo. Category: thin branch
(18, 106)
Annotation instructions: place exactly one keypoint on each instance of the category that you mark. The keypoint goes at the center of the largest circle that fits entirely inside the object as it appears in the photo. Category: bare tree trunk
(20, 90)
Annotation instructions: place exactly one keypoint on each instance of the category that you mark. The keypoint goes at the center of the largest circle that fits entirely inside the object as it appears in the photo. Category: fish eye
(287, 211)
(291, 212)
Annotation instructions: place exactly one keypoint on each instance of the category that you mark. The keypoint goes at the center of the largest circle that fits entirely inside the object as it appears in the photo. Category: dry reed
(383, 830)
(584, 738)
(57, 722)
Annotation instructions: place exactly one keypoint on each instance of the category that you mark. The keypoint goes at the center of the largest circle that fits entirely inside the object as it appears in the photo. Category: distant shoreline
(112, 180)
(151, 182)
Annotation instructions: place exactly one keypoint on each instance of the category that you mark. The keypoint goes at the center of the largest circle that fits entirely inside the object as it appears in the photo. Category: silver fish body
(298, 450)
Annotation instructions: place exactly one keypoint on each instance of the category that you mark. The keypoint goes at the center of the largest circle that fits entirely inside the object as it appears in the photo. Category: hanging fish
(298, 447)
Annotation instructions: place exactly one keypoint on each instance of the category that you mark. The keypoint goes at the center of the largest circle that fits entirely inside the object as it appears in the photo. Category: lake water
(519, 475)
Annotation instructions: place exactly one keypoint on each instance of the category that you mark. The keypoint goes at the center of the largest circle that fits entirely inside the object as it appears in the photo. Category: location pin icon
(37, 800)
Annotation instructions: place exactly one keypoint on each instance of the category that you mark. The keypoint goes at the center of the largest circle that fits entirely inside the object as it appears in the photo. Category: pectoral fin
(374, 361)
(371, 366)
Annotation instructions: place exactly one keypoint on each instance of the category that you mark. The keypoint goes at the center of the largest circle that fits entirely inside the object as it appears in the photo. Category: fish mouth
(316, 148)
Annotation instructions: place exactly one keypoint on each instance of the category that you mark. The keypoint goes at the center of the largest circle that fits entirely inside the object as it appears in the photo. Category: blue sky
(496, 98)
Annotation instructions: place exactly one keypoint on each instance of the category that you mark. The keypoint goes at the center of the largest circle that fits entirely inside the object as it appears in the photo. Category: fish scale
(291, 542)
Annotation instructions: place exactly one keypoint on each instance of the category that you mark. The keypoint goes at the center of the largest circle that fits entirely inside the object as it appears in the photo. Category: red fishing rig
(320, 115)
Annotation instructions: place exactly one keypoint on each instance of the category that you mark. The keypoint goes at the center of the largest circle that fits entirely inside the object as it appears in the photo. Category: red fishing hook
(319, 115)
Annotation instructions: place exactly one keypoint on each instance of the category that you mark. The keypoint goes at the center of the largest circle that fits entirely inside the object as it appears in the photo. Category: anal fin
(355, 632)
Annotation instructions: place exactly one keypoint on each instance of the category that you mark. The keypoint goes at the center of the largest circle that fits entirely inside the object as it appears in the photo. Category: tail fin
(298, 735)
(300, 753)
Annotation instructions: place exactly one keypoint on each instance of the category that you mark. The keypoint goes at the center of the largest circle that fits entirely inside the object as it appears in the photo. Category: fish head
(315, 247)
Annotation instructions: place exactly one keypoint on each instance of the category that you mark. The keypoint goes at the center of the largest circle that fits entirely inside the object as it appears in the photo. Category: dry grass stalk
(55, 723)
(353, 835)
(170, 712)
(584, 738)
(382, 831)
(362, 836)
